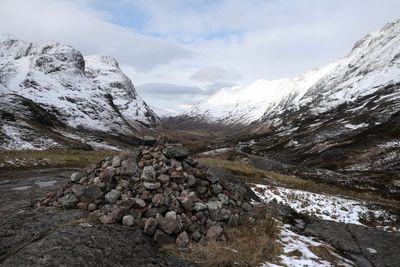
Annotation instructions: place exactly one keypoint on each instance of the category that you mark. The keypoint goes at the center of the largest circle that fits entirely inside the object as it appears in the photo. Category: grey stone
(68, 201)
(150, 226)
(199, 206)
(158, 200)
(92, 207)
(192, 181)
(128, 220)
(176, 152)
(129, 166)
(112, 196)
(148, 173)
(152, 186)
(90, 193)
(162, 238)
(182, 240)
(186, 202)
(169, 223)
(136, 203)
(163, 178)
(223, 198)
(75, 177)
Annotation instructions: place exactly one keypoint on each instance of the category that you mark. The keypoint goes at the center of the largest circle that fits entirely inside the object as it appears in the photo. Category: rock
(106, 175)
(199, 206)
(158, 200)
(152, 186)
(82, 205)
(150, 226)
(90, 193)
(136, 203)
(217, 188)
(212, 178)
(214, 210)
(128, 220)
(77, 190)
(192, 181)
(124, 183)
(148, 173)
(176, 152)
(182, 240)
(223, 198)
(196, 236)
(201, 189)
(162, 238)
(92, 207)
(169, 223)
(68, 201)
(186, 202)
(75, 177)
(128, 166)
(247, 207)
(214, 233)
(112, 196)
(115, 215)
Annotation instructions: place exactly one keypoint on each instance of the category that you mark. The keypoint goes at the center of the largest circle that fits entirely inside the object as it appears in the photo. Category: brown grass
(13, 159)
(248, 173)
(246, 245)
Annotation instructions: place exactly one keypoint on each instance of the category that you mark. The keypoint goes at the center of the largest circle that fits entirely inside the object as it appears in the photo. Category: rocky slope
(69, 91)
(372, 64)
(342, 119)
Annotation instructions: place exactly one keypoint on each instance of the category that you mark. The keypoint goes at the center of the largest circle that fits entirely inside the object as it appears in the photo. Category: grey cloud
(212, 74)
(71, 23)
(169, 89)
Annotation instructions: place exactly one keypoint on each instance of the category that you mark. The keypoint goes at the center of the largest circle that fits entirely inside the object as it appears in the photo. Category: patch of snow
(298, 251)
(216, 151)
(355, 126)
(322, 206)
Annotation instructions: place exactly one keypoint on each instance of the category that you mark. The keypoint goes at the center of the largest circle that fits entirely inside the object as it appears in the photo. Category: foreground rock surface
(51, 237)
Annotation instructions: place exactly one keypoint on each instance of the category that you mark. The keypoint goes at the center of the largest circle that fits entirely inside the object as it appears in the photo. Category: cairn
(172, 197)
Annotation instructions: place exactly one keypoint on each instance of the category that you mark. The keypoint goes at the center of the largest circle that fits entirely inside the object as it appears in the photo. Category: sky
(177, 52)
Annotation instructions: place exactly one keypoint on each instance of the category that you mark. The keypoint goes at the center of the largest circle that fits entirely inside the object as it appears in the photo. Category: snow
(246, 104)
(17, 138)
(355, 126)
(59, 78)
(373, 63)
(216, 151)
(322, 206)
(297, 251)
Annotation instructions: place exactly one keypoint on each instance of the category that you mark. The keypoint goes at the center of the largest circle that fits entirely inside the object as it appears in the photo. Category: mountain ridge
(88, 94)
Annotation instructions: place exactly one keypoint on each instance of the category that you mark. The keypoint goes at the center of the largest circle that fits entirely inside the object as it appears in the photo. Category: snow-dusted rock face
(373, 63)
(89, 93)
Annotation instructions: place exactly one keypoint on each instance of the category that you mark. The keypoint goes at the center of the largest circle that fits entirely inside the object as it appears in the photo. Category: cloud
(169, 89)
(177, 51)
(213, 74)
(72, 23)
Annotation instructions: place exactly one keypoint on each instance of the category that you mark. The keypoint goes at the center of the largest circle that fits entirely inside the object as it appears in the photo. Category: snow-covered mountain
(374, 62)
(86, 93)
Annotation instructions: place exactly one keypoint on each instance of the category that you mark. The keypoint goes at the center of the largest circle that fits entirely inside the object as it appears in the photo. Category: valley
(302, 171)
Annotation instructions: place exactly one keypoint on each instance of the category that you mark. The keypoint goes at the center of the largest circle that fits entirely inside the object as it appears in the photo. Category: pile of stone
(172, 197)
